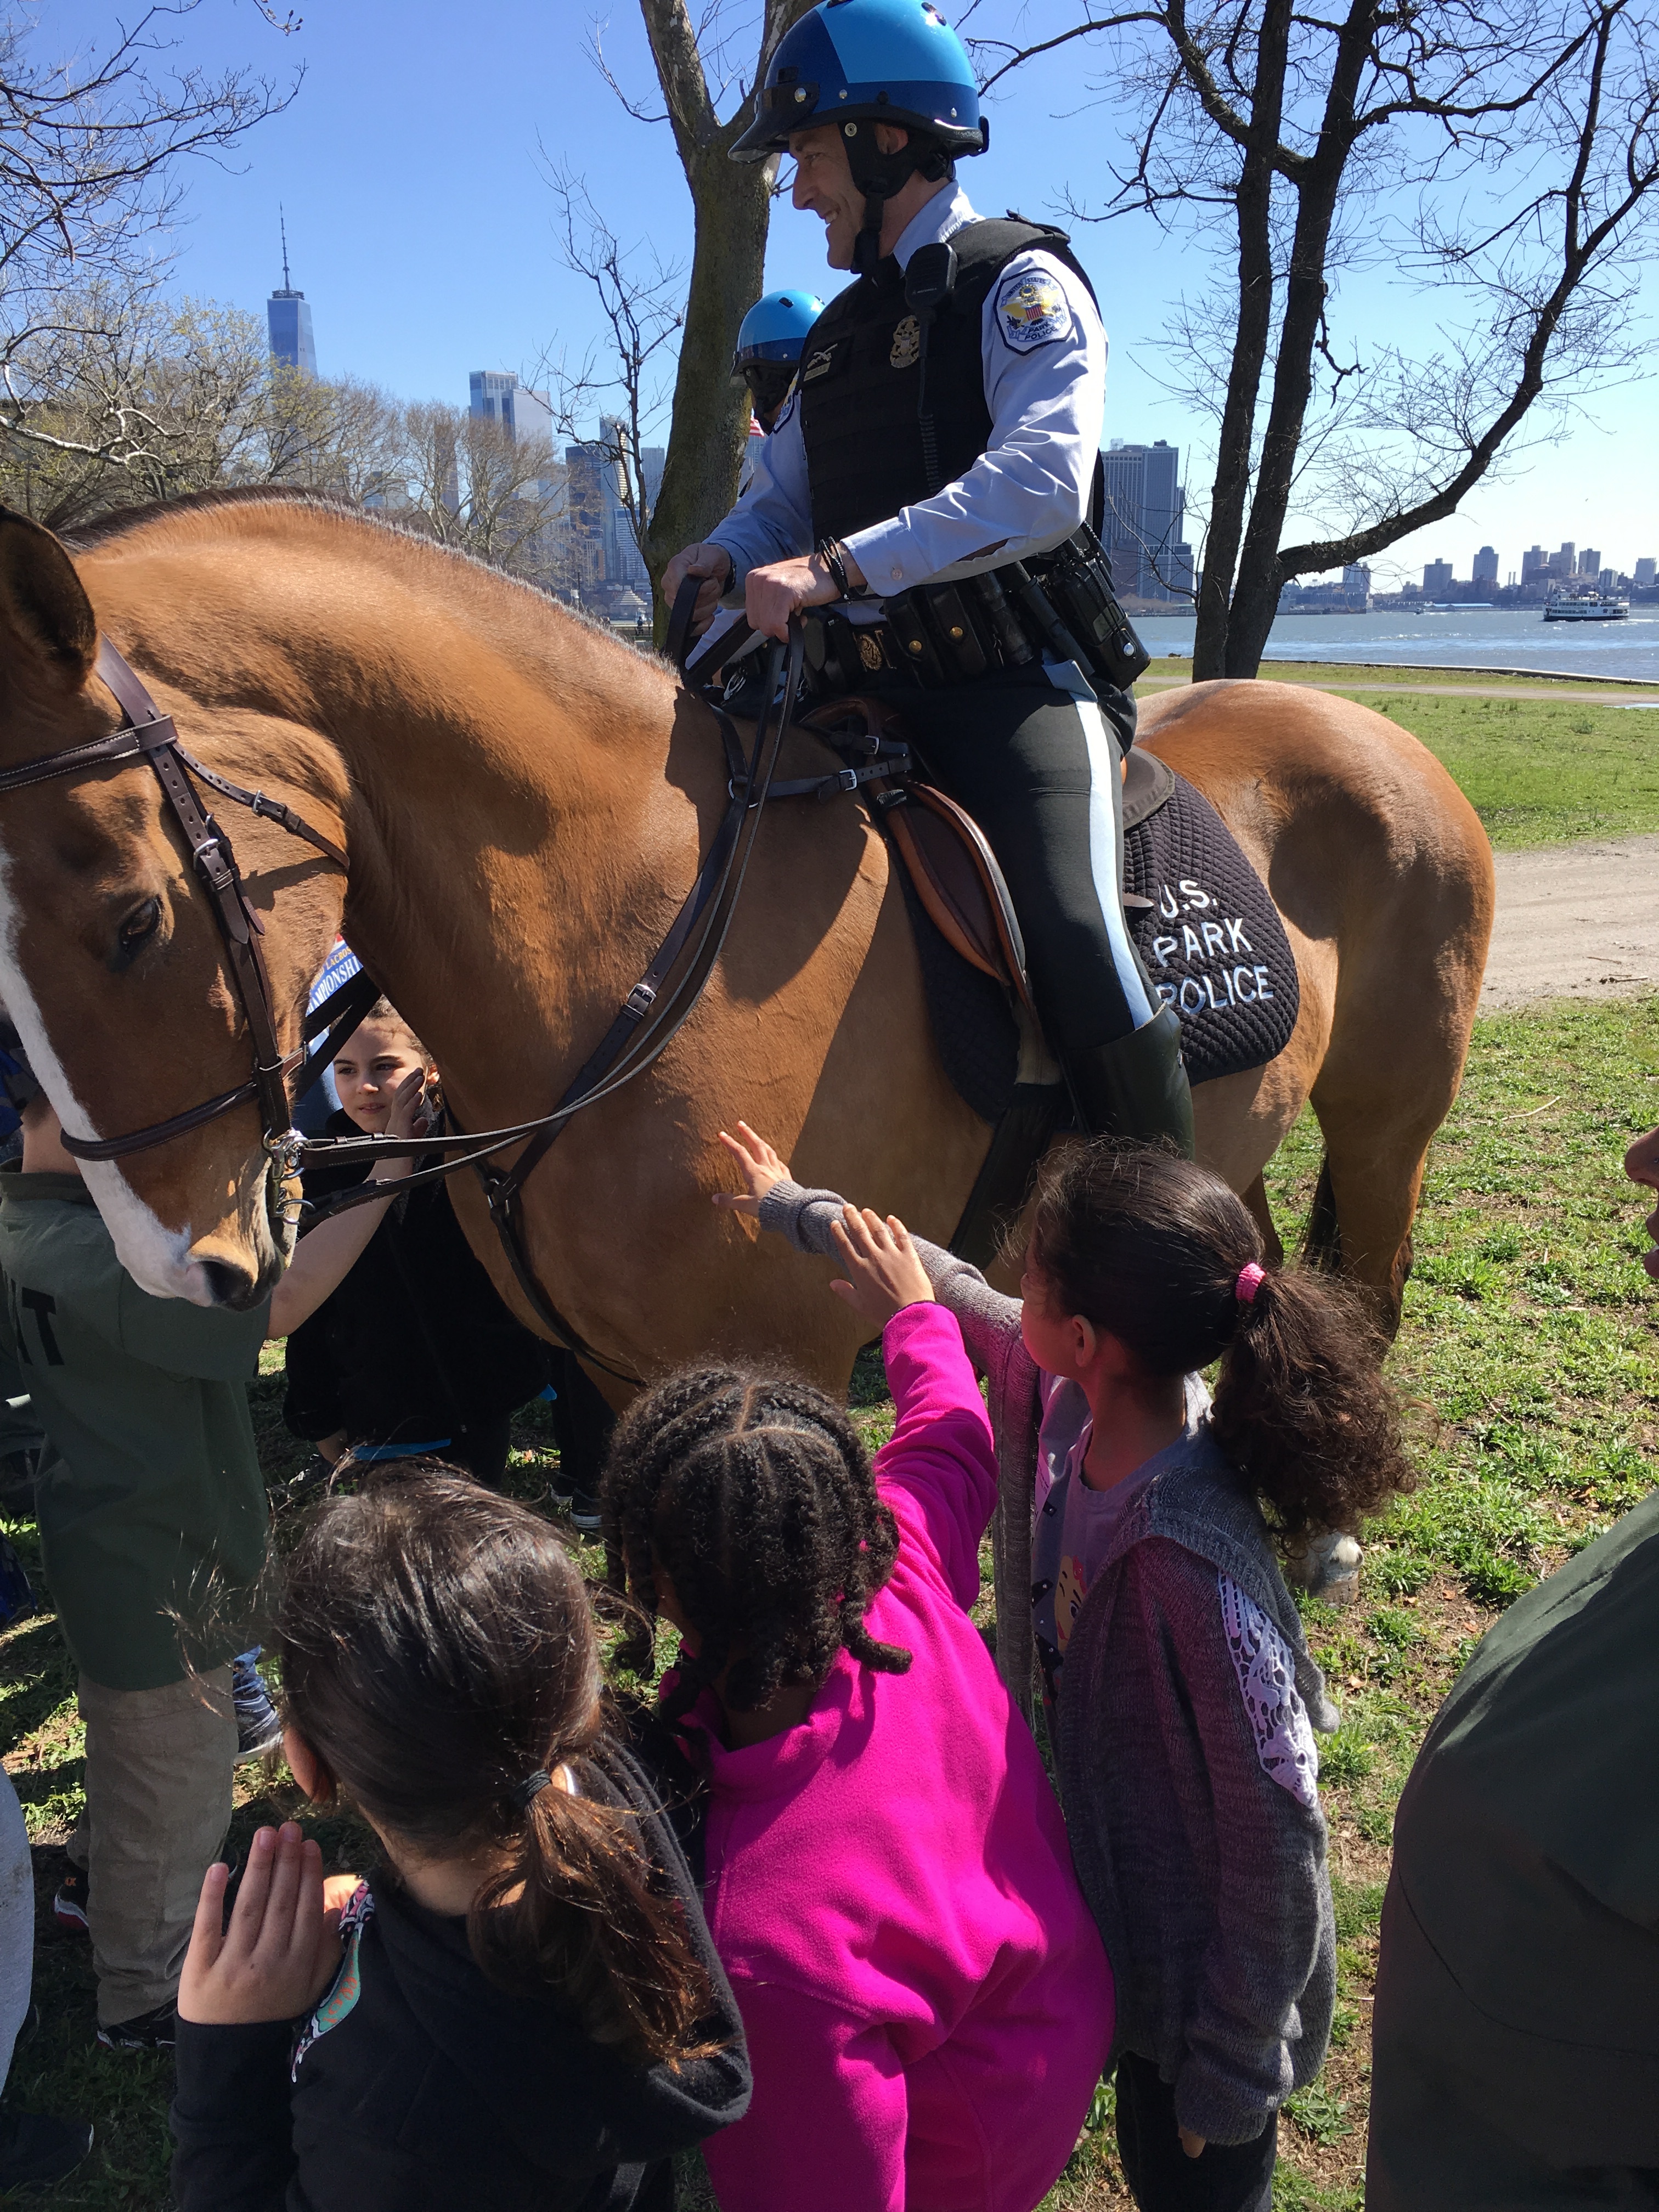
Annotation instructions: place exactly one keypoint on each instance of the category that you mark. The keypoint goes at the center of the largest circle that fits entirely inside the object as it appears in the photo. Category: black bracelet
(833, 554)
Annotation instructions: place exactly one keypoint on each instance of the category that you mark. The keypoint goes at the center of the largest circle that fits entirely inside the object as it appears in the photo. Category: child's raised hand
(408, 1117)
(885, 1274)
(760, 1167)
(281, 1948)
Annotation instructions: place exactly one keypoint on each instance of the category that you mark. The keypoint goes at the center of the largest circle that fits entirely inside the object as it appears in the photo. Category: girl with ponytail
(523, 2006)
(1181, 1698)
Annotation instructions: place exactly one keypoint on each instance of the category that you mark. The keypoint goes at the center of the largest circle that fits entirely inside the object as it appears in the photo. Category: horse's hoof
(1328, 1568)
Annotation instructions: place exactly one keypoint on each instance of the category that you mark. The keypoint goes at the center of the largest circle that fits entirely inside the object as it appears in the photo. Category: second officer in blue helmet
(769, 342)
(927, 486)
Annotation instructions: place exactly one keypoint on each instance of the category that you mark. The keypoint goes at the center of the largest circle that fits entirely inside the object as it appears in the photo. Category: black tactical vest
(858, 375)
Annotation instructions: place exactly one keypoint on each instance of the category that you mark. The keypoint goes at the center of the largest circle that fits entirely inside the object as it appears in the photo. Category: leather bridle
(645, 1025)
(148, 735)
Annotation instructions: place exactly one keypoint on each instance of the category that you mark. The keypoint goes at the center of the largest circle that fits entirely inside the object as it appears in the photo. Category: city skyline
(491, 287)
(1143, 525)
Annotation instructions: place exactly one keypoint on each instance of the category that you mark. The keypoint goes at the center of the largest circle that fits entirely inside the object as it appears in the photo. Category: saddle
(1209, 938)
(952, 871)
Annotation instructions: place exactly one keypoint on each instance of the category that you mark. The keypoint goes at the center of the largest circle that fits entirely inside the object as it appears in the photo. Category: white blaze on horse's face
(156, 1257)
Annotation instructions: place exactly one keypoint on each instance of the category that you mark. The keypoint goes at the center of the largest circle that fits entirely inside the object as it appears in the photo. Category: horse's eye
(140, 926)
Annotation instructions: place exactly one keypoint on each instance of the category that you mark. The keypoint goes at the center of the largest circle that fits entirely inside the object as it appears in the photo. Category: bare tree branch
(1526, 131)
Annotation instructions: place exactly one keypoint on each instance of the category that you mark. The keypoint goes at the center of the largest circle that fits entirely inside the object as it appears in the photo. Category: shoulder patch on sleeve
(1265, 1669)
(1032, 310)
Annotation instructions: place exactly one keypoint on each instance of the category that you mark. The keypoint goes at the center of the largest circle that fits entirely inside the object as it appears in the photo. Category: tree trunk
(1318, 182)
(711, 409)
(1231, 485)
(733, 202)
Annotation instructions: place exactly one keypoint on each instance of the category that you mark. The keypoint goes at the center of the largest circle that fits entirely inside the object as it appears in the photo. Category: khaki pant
(159, 1769)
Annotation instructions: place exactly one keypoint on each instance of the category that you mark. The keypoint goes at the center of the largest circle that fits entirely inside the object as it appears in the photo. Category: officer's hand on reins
(704, 559)
(781, 589)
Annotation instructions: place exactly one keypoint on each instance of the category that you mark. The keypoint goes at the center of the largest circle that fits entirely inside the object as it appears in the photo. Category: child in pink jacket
(889, 1886)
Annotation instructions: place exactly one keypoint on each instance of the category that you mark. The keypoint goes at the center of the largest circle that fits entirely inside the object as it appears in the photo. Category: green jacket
(1517, 2029)
(151, 1501)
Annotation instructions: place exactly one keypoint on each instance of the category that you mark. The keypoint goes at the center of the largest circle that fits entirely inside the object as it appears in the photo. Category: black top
(420, 2086)
(416, 1344)
(860, 379)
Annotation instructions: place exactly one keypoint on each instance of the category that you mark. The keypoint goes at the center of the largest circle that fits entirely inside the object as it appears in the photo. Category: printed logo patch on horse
(1032, 311)
(1210, 940)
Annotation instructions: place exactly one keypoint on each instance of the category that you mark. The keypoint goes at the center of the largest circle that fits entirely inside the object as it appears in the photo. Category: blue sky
(420, 225)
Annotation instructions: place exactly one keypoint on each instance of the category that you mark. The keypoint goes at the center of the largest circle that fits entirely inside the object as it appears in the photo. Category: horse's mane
(124, 522)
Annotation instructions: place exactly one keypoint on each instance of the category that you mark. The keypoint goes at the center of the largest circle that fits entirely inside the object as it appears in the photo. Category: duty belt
(1059, 605)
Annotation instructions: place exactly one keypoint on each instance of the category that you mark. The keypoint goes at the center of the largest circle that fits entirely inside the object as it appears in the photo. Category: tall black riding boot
(1137, 1086)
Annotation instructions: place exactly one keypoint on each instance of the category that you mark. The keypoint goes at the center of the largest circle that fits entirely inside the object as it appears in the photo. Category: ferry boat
(1585, 607)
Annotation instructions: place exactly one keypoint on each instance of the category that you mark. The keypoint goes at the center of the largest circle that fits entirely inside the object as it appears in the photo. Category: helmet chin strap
(878, 176)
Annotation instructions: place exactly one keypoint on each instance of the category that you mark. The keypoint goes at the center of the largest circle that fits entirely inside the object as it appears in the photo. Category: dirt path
(1577, 921)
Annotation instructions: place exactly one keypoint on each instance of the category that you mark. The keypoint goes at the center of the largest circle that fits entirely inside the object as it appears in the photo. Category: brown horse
(524, 802)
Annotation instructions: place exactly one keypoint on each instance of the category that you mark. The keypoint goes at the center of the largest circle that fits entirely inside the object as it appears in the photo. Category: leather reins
(645, 1023)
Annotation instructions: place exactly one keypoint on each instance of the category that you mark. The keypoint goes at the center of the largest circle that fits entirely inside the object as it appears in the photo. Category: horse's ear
(42, 602)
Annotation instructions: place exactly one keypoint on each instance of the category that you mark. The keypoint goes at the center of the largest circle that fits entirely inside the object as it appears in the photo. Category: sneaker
(68, 1906)
(151, 2031)
(36, 2150)
(585, 1513)
(258, 1727)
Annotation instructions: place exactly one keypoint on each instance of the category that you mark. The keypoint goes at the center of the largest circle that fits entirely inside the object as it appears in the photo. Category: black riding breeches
(1040, 769)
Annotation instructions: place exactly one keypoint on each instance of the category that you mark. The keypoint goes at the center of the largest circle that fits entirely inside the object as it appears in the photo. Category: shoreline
(1167, 667)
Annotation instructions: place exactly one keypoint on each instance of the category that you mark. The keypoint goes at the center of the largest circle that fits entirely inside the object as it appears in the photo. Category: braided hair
(755, 1496)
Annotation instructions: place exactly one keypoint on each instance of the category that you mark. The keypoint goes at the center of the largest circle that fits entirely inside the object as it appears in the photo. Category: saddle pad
(1211, 942)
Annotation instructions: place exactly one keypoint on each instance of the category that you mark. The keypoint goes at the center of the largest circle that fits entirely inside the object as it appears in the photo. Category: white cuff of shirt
(888, 553)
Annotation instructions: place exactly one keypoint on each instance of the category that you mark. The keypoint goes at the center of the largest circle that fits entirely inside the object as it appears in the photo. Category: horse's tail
(1321, 1240)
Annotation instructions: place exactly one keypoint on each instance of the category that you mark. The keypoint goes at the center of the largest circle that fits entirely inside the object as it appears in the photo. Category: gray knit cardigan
(1224, 1957)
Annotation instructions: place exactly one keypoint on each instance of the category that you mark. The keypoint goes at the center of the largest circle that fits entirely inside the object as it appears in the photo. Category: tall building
(1144, 528)
(498, 397)
(1589, 562)
(1438, 579)
(1564, 562)
(1485, 566)
(1647, 570)
(287, 322)
(1534, 562)
(606, 550)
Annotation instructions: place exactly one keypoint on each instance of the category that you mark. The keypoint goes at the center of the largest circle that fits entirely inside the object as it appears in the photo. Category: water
(1504, 638)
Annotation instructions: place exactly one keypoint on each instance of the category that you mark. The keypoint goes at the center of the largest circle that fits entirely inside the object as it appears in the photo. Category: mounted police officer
(927, 485)
(769, 340)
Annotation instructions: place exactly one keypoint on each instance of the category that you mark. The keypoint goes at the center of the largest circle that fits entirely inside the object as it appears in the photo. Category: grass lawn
(1538, 771)
(1528, 1344)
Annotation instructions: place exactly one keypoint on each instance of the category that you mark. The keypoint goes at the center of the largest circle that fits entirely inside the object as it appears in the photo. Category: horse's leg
(1379, 1117)
(1257, 1199)
(1376, 1177)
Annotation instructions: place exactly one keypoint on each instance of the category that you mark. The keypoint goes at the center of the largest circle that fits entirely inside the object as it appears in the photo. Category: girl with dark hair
(415, 1355)
(1180, 1693)
(524, 2008)
(926, 2001)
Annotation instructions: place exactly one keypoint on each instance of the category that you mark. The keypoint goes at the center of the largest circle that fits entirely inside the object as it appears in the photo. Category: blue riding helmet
(884, 61)
(775, 328)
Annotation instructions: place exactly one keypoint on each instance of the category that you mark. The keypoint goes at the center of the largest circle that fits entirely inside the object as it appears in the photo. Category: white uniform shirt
(1044, 357)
